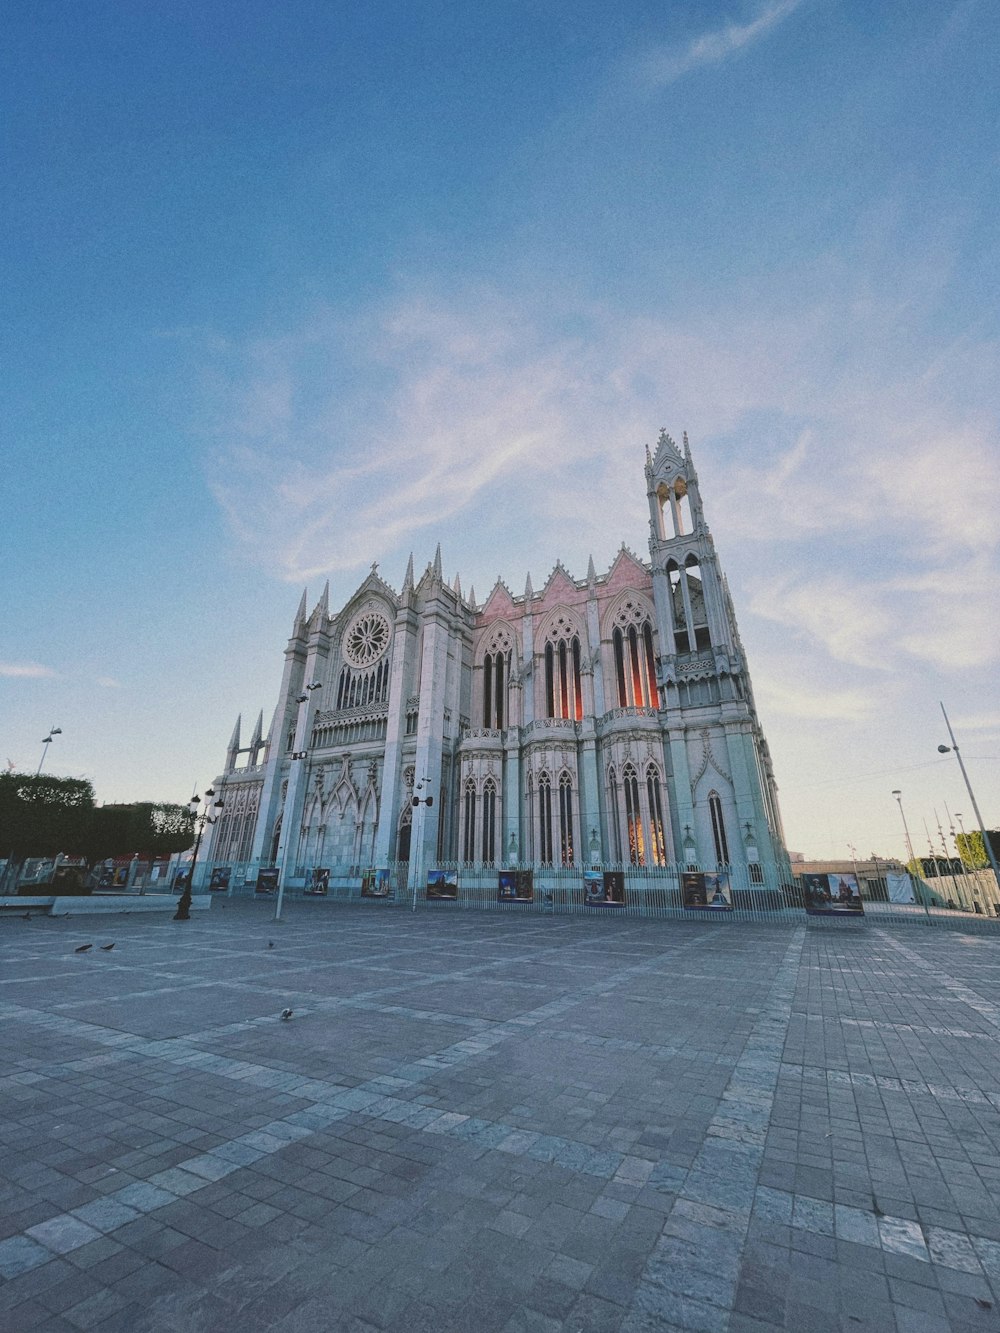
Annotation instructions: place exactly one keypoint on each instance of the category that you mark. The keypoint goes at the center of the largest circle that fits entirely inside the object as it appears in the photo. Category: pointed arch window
(565, 819)
(718, 828)
(496, 677)
(633, 816)
(489, 821)
(657, 840)
(616, 816)
(545, 819)
(635, 664)
(469, 821)
(563, 687)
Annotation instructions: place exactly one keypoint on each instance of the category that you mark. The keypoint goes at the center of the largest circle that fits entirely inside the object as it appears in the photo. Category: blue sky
(288, 289)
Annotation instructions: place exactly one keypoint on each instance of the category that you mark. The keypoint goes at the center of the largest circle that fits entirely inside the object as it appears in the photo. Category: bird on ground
(82, 948)
(107, 947)
(270, 944)
(286, 1013)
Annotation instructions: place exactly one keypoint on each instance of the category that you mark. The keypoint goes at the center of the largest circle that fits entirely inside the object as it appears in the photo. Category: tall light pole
(945, 749)
(909, 846)
(301, 726)
(209, 815)
(46, 742)
(416, 802)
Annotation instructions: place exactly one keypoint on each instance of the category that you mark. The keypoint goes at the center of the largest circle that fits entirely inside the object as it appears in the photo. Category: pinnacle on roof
(457, 587)
(437, 563)
(591, 571)
(300, 614)
(234, 740)
(668, 456)
(258, 731)
(528, 589)
(408, 576)
(322, 607)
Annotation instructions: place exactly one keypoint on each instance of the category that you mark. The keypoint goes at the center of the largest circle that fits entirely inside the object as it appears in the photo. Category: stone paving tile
(480, 1122)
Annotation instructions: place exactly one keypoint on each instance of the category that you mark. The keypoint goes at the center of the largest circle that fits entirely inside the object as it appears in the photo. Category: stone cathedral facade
(602, 721)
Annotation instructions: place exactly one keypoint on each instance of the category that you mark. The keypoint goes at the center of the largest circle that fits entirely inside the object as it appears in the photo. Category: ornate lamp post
(46, 742)
(209, 815)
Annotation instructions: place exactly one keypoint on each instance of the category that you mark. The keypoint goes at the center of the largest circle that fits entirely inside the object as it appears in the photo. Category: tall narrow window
(550, 683)
(529, 798)
(635, 661)
(616, 816)
(620, 668)
(718, 828)
(489, 821)
(545, 819)
(488, 690)
(633, 817)
(566, 819)
(469, 840)
(563, 686)
(659, 845)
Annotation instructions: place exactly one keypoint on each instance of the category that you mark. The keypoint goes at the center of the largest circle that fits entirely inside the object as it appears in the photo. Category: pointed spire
(687, 448)
(528, 589)
(591, 571)
(457, 585)
(322, 608)
(256, 740)
(438, 572)
(233, 748)
(472, 598)
(408, 576)
(300, 614)
(234, 740)
(649, 457)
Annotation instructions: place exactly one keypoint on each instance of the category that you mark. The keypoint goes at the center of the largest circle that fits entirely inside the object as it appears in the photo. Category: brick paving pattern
(480, 1122)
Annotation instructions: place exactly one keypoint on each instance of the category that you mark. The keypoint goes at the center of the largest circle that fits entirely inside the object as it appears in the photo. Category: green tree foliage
(143, 827)
(42, 815)
(972, 849)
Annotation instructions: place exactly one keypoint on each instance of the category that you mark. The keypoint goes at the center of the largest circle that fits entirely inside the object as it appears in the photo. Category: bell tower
(725, 807)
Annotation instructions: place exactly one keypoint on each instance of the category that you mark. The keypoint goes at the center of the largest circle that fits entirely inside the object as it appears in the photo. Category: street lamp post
(416, 802)
(909, 847)
(46, 742)
(953, 747)
(209, 815)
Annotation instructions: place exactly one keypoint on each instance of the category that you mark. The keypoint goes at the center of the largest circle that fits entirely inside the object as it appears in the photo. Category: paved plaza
(480, 1121)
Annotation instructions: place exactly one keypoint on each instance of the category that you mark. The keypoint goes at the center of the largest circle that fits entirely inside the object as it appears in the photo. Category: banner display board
(900, 888)
(319, 885)
(832, 895)
(703, 891)
(376, 883)
(219, 880)
(267, 880)
(604, 888)
(442, 884)
(516, 886)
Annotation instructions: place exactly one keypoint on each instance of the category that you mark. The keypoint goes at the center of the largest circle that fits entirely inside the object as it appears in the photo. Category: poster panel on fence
(704, 891)
(516, 886)
(604, 888)
(442, 884)
(376, 883)
(219, 879)
(267, 880)
(319, 884)
(832, 895)
(900, 888)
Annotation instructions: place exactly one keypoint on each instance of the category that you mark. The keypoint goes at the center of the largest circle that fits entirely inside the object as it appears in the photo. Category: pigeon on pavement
(286, 1013)
(82, 948)
(106, 947)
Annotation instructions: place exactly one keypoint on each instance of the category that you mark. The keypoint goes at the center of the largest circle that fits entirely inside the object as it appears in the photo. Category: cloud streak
(668, 63)
(26, 670)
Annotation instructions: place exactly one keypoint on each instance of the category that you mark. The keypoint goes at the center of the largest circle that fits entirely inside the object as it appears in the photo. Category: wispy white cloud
(108, 682)
(26, 670)
(781, 696)
(670, 62)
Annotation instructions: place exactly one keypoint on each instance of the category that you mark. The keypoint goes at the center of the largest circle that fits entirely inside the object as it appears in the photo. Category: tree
(41, 815)
(145, 827)
(972, 849)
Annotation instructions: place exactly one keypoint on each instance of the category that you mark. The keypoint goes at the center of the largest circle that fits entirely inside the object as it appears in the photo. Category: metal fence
(660, 892)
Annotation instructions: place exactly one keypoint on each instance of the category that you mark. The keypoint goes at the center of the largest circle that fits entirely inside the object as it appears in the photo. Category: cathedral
(607, 721)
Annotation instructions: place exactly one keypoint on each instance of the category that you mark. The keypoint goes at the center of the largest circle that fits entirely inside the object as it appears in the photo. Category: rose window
(367, 639)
